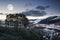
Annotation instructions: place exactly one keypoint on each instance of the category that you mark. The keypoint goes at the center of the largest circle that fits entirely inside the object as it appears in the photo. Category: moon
(10, 7)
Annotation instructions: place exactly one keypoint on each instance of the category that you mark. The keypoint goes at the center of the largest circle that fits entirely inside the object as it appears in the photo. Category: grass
(22, 34)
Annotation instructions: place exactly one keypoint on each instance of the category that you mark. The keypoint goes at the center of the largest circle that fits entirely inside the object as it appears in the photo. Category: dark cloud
(29, 4)
(42, 7)
(47, 6)
(1, 13)
(34, 13)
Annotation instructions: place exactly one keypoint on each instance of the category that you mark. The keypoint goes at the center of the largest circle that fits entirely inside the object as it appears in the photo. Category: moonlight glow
(10, 7)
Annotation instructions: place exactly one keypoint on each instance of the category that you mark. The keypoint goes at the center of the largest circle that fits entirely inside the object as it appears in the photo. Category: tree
(25, 22)
(18, 17)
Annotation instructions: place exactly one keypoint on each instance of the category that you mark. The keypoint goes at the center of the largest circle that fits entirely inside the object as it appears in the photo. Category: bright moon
(10, 7)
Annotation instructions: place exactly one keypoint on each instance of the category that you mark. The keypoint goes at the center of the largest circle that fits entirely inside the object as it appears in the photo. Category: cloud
(34, 13)
(1, 13)
(42, 7)
(28, 4)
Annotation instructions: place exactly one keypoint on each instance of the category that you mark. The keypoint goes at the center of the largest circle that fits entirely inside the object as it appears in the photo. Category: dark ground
(24, 34)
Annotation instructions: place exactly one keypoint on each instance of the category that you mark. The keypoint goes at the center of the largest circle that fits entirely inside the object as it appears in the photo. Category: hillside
(28, 34)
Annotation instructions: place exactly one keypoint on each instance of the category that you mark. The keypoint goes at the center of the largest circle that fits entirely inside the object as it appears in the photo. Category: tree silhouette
(20, 18)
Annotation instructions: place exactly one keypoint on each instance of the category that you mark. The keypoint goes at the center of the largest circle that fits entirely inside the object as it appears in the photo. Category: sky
(32, 8)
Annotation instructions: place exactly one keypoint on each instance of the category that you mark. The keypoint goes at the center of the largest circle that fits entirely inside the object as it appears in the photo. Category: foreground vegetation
(24, 34)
